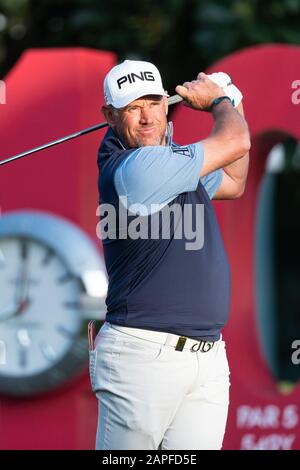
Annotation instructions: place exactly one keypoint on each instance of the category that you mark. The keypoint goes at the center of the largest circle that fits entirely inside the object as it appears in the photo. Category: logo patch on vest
(182, 151)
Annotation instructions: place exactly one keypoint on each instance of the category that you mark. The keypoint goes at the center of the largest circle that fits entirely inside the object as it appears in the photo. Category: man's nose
(146, 116)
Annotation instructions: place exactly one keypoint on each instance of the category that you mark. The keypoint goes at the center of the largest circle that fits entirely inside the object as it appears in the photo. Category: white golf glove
(224, 81)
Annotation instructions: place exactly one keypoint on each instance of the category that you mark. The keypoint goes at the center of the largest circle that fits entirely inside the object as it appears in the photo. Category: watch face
(52, 282)
(38, 307)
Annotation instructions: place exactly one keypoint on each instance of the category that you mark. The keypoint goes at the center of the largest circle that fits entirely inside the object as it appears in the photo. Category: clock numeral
(47, 258)
(23, 357)
(24, 248)
(48, 352)
(24, 341)
(23, 338)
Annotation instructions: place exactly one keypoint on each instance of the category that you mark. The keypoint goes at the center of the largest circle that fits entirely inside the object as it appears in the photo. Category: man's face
(142, 122)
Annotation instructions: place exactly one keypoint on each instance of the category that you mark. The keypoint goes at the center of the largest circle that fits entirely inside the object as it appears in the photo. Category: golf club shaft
(171, 100)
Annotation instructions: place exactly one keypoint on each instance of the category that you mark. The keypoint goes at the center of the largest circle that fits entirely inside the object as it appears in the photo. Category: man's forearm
(238, 170)
(229, 139)
(228, 123)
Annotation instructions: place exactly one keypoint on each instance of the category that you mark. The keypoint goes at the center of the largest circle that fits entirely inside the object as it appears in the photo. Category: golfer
(159, 367)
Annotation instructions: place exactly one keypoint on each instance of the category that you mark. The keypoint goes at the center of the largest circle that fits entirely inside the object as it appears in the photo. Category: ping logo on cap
(131, 78)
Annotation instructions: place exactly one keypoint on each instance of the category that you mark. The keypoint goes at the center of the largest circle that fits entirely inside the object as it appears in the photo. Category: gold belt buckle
(180, 343)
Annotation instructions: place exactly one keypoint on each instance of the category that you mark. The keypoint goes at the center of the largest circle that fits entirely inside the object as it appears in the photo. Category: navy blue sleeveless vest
(158, 284)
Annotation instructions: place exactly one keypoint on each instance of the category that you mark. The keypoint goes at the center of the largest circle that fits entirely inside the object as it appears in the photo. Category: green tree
(181, 37)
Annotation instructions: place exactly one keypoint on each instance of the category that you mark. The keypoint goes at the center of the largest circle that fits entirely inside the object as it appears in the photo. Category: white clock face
(39, 307)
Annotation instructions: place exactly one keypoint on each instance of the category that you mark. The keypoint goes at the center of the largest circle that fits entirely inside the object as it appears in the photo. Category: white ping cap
(130, 80)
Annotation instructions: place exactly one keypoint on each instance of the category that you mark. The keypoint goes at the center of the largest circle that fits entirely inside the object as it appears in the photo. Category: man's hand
(200, 93)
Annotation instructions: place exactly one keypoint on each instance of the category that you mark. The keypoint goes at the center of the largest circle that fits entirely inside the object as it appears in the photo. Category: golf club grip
(174, 99)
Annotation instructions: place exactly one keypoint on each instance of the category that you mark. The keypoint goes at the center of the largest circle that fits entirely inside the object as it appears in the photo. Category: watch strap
(218, 100)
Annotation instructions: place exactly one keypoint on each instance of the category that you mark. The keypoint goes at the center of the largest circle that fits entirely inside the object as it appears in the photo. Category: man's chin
(148, 141)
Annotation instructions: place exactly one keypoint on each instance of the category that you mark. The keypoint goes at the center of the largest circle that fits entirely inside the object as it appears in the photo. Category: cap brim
(137, 94)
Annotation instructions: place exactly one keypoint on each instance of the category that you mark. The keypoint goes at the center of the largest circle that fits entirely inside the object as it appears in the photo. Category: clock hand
(13, 309)
(24, 303)
(8, 311)
(22, 299)
(24, 341)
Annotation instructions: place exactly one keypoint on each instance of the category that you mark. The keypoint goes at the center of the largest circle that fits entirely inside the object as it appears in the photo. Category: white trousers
(151, 396)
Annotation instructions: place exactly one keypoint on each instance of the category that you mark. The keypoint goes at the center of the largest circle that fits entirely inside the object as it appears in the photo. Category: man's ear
(108, 113)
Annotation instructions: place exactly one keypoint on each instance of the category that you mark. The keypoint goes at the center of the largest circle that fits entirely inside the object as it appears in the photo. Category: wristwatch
(218, 100)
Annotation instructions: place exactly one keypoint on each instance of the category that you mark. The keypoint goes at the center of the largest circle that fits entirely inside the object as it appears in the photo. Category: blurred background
(177, 35)
(53, 58)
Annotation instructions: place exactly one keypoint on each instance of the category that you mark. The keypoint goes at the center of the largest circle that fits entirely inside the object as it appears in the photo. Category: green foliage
(181, 37)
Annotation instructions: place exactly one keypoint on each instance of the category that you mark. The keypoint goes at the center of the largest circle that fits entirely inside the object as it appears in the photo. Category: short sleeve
(154, 175)
(212, 182)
